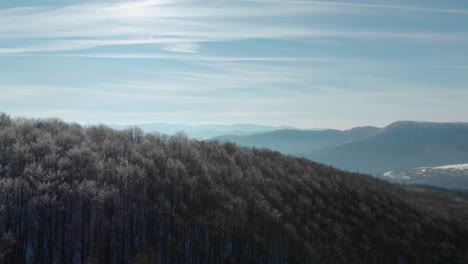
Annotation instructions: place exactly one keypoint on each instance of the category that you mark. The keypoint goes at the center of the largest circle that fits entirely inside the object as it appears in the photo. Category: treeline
(72, 194)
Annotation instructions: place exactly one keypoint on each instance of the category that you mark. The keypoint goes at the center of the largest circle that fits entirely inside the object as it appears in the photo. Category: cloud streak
(304, 63)
(183, 26)
(183, 47)
(360, 6)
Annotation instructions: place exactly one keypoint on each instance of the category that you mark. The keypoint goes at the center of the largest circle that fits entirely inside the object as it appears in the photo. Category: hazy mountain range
(402, 145)
(204, 131)
(299, 142)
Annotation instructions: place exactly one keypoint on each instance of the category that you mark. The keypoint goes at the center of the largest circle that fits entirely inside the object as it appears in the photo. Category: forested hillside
(72, 194)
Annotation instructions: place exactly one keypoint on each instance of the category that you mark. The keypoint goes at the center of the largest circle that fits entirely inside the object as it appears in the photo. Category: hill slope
(450, 176)
(95, 195)
(401, 145)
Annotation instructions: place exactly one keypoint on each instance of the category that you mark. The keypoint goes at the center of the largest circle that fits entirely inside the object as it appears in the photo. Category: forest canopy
(74, 194)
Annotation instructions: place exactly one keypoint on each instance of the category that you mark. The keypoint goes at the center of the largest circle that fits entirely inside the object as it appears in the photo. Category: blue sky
(301, 63)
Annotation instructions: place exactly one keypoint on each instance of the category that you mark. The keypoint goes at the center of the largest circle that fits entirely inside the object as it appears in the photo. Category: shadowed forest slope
(72, 194)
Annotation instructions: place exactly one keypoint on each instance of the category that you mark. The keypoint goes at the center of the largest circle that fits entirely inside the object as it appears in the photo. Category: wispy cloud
(298, 62)
(181, 26)
(366, 5)
(182, 47)
(197, 58)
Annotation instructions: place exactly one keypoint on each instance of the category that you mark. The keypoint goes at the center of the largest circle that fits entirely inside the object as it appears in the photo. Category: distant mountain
(294, 141)
(401, 145)
(449, 176)
(203, 131)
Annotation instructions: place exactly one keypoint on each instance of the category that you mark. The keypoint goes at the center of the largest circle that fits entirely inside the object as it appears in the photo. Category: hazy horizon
(223, 124)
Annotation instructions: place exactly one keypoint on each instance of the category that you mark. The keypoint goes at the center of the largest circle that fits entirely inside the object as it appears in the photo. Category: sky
(302, 63)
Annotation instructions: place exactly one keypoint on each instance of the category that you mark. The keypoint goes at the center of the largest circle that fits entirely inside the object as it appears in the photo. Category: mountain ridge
(401, 145)
(297, 141)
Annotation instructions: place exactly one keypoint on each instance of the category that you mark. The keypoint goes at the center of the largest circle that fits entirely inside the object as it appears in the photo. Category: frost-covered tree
(72, 194)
